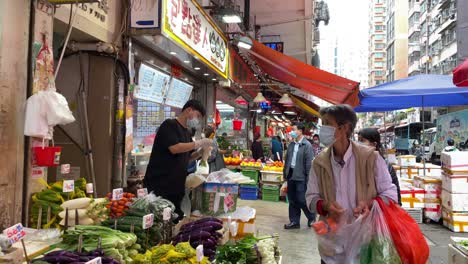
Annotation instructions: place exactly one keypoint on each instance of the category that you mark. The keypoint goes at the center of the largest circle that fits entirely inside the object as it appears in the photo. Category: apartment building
(397, 39)
(377, 42)
(414, 38)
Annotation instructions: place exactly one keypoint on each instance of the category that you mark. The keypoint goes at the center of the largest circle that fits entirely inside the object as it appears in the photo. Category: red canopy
(330, 87)
(460, 75)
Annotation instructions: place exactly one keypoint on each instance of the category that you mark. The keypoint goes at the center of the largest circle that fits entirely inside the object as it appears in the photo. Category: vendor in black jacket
(173, 148)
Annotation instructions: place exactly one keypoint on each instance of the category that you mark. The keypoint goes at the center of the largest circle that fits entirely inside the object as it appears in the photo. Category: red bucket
(237, 124)
(47, 156)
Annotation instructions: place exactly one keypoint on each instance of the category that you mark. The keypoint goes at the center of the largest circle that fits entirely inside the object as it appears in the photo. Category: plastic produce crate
(416, 214)
(248, 192)
(252, 174)
(270, 193)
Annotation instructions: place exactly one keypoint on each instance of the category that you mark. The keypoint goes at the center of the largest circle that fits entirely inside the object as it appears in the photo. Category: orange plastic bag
(406, 235)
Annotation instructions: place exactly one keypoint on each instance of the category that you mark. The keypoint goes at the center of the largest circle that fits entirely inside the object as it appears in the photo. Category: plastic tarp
(416, 91)
(327, 86)
(460, 74)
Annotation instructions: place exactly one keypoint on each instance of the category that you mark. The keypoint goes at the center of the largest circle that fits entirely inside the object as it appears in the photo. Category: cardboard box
(407, 160)
(457, 222)
(456, 202)
(456, 160)
(431, 185)
(455, 183)
(455, 256)
(218, 198)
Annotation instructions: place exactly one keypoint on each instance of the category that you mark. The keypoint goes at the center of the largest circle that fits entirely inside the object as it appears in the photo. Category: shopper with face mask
(316, 145)
(296, 170)
(173, 148)
(345, 177)
(371, 137)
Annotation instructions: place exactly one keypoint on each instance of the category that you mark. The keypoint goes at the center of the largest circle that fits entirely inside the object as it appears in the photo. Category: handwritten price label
(97, 260)
(148, 221)
(65, 168)
(200, 253)
(89, 188)
(15, 233)
(167, 214)
(68, 185)
(228, 202)
(117, 194)
(142, 193)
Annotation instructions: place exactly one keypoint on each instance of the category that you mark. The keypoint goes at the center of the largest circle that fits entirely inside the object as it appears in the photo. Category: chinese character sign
(15, 233)
(185, 22)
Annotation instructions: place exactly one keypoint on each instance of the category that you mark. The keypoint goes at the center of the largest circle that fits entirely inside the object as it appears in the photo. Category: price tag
(97, 260)
(89, 188)
(228, 202)
(68, 185)
(148, 221)
(15, 233)
(142, 193)
(200, 255)
(117, 194)
(167, 214)
(65, 168)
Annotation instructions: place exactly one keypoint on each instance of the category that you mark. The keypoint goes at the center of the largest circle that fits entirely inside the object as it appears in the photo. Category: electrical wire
(66, 41)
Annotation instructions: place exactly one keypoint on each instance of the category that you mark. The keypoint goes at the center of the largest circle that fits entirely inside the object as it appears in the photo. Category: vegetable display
(119, 207)
(182, 253)
(53, 196)
(116, 244)
(64, 256)
(250, 250)
(201, 232)
(155, 205)
(134, 217)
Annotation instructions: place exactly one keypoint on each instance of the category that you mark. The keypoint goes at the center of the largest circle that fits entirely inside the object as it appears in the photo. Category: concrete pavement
(300, 246)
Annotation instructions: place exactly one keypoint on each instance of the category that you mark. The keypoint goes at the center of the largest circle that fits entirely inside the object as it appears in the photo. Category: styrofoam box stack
(455, 190)
(406, 172)
(432, 187)
(412, 197)
(407, 160)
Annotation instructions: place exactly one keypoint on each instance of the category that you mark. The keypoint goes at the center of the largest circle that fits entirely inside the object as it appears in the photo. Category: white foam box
(455, 256)
(431, 169)
(456, 160)
(455, 221)
(433, 209)
(405, 172)
(456, 202)
(412, 192)
(407, 160)
(411, 202)
(457, 183)
(431, 185)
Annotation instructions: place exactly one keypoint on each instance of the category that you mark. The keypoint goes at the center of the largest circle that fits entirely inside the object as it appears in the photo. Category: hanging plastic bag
(406, 235)
(380, 247)
(35, 119)
(186, 204)
(58, 112)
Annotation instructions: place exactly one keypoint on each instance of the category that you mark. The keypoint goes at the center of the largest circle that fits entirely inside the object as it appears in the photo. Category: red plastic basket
(237, 124)
(47, 156)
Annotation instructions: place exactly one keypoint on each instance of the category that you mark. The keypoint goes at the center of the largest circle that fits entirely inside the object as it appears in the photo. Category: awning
(460, 74)
(306, 105)
(327, 86)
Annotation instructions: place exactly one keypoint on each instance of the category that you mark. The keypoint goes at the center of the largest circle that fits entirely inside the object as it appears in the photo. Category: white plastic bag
(57, 111)
(35, 119)
(186, 204)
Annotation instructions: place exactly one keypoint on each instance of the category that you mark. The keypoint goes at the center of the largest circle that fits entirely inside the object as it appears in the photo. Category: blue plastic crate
(248, 192)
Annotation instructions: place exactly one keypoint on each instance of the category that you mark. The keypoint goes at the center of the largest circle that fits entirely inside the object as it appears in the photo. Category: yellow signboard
(187, 24)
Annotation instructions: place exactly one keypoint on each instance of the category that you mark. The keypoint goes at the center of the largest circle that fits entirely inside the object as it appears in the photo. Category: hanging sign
(185, 22)
(151, 84)
(178, 94)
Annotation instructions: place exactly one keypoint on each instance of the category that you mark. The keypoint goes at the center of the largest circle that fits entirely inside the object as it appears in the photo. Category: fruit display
(275, 166)
(251, 163)
(232, 161)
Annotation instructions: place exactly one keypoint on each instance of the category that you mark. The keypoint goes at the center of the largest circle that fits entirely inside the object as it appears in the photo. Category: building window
(379, 82)
(379, 73)
(379, 18)
(449, 36)
(379, 9)
(379, 46)
(378, 55)
(390, 28)
(379, 36)
(379, 64)
(390, 56)
(379, 28)
(423, 6)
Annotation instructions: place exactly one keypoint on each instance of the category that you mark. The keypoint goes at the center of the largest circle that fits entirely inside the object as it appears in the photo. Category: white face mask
(193, 123)
(327, 135)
